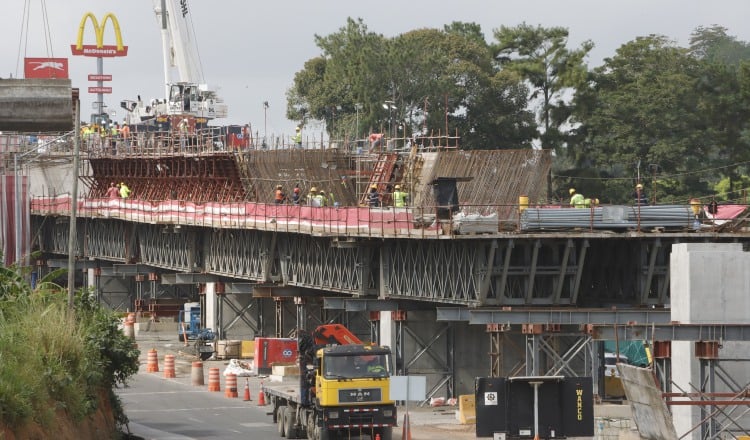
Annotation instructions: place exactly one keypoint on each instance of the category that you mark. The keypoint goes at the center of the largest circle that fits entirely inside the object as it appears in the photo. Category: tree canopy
(673, 118)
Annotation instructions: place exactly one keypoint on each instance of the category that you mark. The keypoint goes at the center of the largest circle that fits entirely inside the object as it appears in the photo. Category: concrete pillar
(709, 284)
(212, 321)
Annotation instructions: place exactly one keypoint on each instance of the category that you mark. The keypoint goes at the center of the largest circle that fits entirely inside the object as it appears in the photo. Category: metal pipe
(74, 205)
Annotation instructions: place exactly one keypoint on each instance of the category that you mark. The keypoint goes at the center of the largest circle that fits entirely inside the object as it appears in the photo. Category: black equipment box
(565, 406)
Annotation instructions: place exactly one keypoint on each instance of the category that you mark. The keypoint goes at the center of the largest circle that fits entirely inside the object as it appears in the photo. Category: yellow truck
(343, 389)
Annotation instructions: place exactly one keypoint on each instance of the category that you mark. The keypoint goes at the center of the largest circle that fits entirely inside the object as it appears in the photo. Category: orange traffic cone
(261, 396)
(406, 431)
(246, 397)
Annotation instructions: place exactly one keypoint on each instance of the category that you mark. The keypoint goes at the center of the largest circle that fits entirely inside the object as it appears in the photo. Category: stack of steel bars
(608, 217)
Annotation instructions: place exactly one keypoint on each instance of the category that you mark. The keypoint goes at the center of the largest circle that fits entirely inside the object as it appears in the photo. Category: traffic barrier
(261, 396)
(406, 431)
(152, 361)
(169, 366)
(214, 380)
(230, 386)
(246, 397)
(128, 329)
(196, 374)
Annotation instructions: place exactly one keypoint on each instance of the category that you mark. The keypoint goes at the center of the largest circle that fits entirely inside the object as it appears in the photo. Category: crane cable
(23, 38)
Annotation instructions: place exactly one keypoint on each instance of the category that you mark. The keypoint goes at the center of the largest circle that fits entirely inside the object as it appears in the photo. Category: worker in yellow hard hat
(576, 200)
(373, 197)
(639, 195)
(400, 198)
(312, 197)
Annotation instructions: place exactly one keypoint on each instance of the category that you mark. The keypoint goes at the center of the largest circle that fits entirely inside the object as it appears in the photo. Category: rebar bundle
(608, 217)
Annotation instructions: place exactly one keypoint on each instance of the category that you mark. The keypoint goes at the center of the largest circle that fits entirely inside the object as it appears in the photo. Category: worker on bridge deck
(639, 195)
(373, 197)
(279, 196)
(576, 200)
(400, 198)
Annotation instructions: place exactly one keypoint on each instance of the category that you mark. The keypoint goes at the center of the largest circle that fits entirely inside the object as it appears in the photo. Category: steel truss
(109, 239)
(167, 248)
(242, 254)
(315, 263)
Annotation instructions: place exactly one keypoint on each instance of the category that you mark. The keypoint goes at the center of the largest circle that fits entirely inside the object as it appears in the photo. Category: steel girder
(166, 249)
(313, 262)
(243, 254)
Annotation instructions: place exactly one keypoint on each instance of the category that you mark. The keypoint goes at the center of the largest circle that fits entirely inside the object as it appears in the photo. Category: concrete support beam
(552, 316)
(34, 105)
(673, 332)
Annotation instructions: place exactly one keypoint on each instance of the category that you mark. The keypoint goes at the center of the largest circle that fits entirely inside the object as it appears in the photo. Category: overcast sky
(250, 50)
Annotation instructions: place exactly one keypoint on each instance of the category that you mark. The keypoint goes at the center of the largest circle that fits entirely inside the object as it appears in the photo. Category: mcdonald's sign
(99, 49)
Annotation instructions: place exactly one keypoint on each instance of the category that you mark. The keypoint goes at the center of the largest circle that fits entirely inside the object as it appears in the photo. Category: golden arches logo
(99, 49)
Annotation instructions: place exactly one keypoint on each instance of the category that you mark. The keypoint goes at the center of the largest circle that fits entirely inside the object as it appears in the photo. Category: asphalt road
(172, 409)
(168, 409)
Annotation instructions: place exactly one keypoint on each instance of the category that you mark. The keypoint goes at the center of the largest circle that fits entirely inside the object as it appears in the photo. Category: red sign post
(95, 77)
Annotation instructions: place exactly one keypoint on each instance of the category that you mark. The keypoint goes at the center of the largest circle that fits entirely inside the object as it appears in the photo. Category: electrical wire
(661, 176)
(23, 38)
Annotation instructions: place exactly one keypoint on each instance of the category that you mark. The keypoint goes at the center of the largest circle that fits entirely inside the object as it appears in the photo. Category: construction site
(481, 275)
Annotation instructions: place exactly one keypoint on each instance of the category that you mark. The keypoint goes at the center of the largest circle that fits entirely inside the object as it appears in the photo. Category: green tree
(724, 105)
(541, 57)
(430, 82)
(640, 109)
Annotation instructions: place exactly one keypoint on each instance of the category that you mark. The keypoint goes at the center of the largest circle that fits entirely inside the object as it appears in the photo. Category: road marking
(131, 410)
(257, 425)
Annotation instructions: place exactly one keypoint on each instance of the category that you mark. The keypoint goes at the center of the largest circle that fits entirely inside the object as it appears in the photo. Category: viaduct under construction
(480, 275)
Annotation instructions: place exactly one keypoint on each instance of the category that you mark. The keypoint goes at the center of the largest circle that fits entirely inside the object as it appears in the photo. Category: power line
(661, 176)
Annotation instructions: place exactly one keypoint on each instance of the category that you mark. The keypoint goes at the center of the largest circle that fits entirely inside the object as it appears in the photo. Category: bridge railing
(407, 222)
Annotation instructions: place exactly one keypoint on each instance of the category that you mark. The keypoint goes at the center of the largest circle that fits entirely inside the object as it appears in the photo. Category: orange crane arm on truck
(327, 334)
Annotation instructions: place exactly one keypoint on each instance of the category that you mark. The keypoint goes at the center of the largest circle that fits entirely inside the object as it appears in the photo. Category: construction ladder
(381, 175)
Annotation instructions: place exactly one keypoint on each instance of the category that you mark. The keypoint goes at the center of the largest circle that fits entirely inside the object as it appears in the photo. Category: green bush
(54, 358)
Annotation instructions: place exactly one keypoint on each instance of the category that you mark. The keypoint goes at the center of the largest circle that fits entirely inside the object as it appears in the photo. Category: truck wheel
(289, 429)
(280, 413)
(323, 434)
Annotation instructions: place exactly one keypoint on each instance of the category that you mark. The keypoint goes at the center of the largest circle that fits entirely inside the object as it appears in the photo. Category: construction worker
(278, 196)
(312, 198)
(124, 190)
(296, 194)
(576, 200)
(322, 198)
(400, 198)
(182, 128)
(373, 197)
(639, 195)
(331, 199)
(113, 192)
(297, 138)
(125, 134)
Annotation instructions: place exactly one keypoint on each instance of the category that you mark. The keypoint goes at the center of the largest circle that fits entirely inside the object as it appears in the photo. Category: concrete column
(212, 321)
(709, 284)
